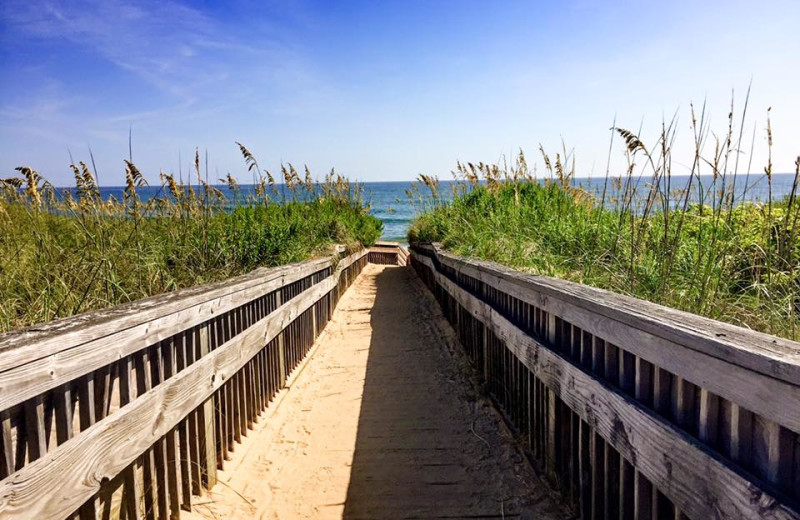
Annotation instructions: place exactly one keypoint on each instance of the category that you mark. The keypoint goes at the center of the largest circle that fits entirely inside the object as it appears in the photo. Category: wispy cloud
(175, 64)
(41, 104)
(181, 51)
(154, 40)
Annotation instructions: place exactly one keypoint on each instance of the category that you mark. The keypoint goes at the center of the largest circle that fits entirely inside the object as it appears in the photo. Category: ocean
(388, 200)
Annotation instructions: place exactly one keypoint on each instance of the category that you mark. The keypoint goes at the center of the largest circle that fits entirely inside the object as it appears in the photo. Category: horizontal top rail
(62, 333)
(770, 355)
(393, 247)
(39, 358)
(389, 252)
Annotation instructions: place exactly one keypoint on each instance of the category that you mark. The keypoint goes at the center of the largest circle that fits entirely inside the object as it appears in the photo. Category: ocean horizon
(388, 200)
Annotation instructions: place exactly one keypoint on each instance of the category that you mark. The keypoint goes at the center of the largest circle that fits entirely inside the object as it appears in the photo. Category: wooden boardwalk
(381, 422)
(217, 402)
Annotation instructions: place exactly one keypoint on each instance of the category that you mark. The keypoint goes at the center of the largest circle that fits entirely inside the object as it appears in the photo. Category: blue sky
(380, 90)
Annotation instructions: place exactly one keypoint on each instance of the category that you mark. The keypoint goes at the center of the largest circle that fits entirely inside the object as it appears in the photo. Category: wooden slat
(709, 417)
(258, 384)
(148, 477)
(102, 396)
(643, 391)
(237, 407)
(228, 389)
(776, 464)
(627, 486)
(186, 463)
(127, 383)
(193, 434)
(683, 403)
(662, 385)
(34, 428)
(129, 504)
(676, 464)
(642, 488)
(131, 496)
(643, 500)
(6, 447)
(741, 435)
(611, 469)
(171, 439)
(181, 361)
(552, 415)
(195, 469)
(281, 348)
(160, 467)
(206, 422)
(64, 414)
(597, 452)
(585, 472)
(88, 506)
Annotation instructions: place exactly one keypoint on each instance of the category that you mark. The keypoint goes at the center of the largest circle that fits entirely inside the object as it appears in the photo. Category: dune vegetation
(692, 243)
(65, 251)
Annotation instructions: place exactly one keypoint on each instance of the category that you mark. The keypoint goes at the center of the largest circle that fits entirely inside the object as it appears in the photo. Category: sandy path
(380, 423)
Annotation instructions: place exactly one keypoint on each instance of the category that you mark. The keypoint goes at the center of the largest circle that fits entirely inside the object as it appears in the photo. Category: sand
(380, 422)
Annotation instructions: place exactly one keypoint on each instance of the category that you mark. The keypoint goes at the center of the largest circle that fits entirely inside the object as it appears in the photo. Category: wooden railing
(129, 412)
(388, 253)
(632, 409)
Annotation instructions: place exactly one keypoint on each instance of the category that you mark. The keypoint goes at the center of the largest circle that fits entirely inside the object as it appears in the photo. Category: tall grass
(693, 243)
(67, 251)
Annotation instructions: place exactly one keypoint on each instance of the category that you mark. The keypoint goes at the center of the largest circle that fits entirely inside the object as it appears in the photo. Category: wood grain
(753, 370)
(78, 467)
(31, 365)
(72, 331)
(687, 473)
(769, 355)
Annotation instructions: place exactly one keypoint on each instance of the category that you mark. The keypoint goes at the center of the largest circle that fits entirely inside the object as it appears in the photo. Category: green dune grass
(725, 259)
(63, 255)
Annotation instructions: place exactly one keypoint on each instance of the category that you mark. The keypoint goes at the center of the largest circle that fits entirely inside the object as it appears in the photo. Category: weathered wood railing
(388, 253)
(632, 409)
(129, 412)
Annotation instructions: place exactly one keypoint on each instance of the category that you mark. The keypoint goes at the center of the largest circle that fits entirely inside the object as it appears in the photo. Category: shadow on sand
(424, 448)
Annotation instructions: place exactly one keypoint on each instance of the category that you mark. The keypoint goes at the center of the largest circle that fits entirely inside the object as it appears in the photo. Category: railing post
(552, 404)
(740, 433)
(6, 448)
(208, 438)
(314, 323)
(281, 348)
(485, 367)
(642, 488)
